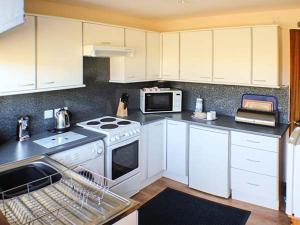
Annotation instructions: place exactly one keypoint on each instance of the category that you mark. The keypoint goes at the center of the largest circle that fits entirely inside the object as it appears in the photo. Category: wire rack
(74, 199)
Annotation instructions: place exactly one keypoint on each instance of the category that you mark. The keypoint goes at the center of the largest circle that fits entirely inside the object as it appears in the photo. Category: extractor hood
(106, 51)
(11, 15)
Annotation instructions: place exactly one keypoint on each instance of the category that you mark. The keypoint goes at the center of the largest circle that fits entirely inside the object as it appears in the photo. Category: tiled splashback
(225, 99)
(101, 97)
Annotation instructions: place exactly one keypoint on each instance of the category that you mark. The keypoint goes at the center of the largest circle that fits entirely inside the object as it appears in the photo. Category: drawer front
(253, 160)
(255, 141)
(255, 185)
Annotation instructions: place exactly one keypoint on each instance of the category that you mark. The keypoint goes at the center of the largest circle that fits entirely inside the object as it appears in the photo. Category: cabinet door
(135, 66)
(177, 151)
(153, 56)
(265, 56)
(196, 56)
(232, 56)
(96, 34)
(59, 52)
(170, 59)
(209, 161)
(17, 57)
(155, 148)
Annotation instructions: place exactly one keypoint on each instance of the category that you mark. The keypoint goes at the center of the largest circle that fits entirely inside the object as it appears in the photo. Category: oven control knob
(117, 138)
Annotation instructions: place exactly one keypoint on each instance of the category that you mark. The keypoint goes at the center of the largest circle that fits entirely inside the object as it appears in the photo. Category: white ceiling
(164, 9)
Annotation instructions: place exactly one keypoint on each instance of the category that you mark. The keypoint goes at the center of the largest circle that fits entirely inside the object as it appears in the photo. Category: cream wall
(287, 19)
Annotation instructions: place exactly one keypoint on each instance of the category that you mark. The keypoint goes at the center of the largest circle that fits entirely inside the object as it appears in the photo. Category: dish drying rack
(74, 199)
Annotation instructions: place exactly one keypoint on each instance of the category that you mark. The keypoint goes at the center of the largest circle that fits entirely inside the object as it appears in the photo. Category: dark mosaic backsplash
(101, 97)
(225, 99)
(98, 98)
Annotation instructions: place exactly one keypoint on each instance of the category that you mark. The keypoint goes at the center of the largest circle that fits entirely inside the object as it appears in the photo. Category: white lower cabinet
(177, 151)
(255, 169)
(153, 151)
(131, 219)
(209, 160)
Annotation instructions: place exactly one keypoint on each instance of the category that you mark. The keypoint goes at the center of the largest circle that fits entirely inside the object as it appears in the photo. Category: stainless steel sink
(27, 178)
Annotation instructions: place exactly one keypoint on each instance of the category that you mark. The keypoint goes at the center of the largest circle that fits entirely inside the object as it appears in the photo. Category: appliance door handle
(252, 184)
(253, 160)
(255, 142)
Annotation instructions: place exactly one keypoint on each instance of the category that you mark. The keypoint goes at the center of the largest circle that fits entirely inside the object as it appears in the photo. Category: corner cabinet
(177, 151)
(170, 56)
(153, 55)
(153, 151)
(59, 53)
(17, 56)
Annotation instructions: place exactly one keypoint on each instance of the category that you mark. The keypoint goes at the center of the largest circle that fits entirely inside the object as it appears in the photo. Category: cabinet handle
(173, 124)
(156, 125)
(50, 82)
(26, 85)
(252, 184)
(131, 76)
(204, 77)
(252, 160)
(260, 80)
(255, 142)
(219, 78)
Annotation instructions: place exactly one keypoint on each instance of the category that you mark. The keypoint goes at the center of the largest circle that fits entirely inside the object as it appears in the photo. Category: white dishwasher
(209, 160)
(89, 156)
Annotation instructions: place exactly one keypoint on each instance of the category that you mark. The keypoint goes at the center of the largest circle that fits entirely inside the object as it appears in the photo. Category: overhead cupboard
(43, 54)
(246, 56)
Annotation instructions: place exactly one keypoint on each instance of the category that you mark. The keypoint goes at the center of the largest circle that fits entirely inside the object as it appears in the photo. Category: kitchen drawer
(253, 160)
(254, 188)
(255, 141)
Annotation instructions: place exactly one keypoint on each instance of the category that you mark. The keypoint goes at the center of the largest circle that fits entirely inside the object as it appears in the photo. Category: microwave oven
(160, 101)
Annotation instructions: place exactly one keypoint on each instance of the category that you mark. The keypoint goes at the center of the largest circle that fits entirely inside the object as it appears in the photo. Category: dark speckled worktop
(13, 151)
(223, 122)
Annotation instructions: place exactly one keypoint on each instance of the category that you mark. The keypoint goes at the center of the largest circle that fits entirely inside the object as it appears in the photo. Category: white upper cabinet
(232, 56)
(153, 56)
(265, 56)
(96, 34)
(17, 57)
(59, 53)
(196, 56)
(135, 66)
(170, 57)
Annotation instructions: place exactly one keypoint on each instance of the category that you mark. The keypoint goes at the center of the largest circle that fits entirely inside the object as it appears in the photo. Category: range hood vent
(106, 51)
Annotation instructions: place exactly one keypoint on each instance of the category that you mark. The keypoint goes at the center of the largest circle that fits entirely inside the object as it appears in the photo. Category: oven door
(123, 160)
(159, 102)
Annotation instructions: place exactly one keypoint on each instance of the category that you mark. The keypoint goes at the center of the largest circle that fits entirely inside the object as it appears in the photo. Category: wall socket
(48, 114)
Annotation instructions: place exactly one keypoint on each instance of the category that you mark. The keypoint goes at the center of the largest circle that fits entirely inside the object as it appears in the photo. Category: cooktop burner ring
(124, 122)
(108, 119)
(109, 126)
(93, 123)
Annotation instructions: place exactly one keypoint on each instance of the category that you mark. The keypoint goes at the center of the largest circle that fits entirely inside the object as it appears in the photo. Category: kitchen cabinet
(97, 34)
(196, 50)
(232, 56)
(209, 160)
(153, 55)
(127, 69)
(59, 52)
(135, 66)
(265, 56)
(170, 56)
(131, 219)
(17, 56)
(255, 169)
(177, 151)
(153, 151)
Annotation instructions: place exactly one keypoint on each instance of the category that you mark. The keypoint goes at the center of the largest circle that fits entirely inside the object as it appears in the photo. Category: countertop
(223, 122)
(13, 150)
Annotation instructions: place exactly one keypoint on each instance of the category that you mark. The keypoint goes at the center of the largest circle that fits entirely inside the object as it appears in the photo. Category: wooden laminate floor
(259, 215)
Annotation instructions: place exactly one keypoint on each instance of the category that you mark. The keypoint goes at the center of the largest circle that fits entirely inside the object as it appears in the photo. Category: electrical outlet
(48, 114)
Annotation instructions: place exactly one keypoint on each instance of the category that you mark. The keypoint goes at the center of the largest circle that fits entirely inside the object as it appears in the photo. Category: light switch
(48, 114)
